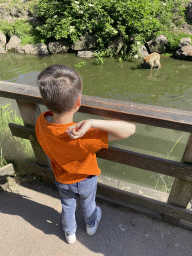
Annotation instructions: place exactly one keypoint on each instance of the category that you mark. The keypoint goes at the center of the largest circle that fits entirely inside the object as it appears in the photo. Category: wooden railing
(174, 211)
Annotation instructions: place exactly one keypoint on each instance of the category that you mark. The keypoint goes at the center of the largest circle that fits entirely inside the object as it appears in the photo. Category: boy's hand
(78, 130)
(116, 129)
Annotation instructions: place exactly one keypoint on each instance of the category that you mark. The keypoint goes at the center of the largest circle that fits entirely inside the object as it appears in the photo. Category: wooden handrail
(146, 114)
(28, 99)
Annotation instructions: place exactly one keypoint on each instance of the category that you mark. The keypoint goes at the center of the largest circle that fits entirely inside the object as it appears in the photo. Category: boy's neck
(67, 117)
(64, 118)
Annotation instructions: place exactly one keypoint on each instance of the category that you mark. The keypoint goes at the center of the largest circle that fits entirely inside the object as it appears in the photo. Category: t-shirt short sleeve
(94, 140)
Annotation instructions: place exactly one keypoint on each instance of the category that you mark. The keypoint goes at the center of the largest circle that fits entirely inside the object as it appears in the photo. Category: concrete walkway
(30, 224)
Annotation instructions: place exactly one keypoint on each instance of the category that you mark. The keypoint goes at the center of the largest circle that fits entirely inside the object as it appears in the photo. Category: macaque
(152, 60)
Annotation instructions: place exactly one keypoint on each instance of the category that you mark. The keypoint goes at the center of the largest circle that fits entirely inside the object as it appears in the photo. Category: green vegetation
(12, 147)
(81, 64)
(3, 162)
(22, 29)
(133, 21)
(166, 186)
(173, 37)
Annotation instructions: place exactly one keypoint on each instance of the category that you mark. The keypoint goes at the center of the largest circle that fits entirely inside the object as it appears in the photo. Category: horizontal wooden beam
(146, 162)
(24, 132)
(20, 92)
(40, 170)
(134, 112)
(144, 114)
(123, 197)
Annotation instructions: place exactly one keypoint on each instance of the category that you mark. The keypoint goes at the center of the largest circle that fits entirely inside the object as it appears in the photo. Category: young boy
(71, 146)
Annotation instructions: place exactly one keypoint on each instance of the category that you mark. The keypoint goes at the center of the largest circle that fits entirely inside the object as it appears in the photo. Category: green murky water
(169, 87)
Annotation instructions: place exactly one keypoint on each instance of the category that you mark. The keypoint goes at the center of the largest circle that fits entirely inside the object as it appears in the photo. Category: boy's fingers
(76, 131)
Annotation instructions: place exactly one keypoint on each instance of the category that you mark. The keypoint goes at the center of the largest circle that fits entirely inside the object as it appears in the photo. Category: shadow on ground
(30, 224)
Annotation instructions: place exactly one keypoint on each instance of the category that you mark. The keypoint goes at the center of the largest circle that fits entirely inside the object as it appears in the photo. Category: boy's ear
(78, 104)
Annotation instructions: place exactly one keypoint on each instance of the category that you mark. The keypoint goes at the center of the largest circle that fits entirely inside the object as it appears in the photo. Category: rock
(40, 49)
(85, 42)
(7, 170)
(143, 51)
(2, 39)
(2, 50)
(184, 42)
(13, 42)
(158, 45)
(35, 21)
(184, 53)
(186, 28)
(58, 47)
(9, 13)
(19, 49)
(16, 12)
(188, 11)
(116, 45)
(85, 54)
(36, 49)
(4, 13)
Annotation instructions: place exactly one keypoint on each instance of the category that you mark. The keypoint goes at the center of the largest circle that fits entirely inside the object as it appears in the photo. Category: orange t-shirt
(72, 160)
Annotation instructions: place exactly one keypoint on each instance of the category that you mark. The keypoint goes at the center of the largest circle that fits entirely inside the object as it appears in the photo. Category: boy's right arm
(116, 129)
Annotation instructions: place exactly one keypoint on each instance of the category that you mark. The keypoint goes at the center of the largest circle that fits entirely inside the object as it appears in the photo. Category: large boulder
(13, 42)
(34, 21)
(2, 39)
(85, 42)
(143, 51)
(85, 54)
(40, 49)
(2, 50)
(58, 47)
(9, 12)
(20, 49)
(184, 53)
(116, 45)
(184, 42)
(158, 45)
(186, 28)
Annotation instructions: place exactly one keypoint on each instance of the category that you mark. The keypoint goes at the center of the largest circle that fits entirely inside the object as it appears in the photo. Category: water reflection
(171, 86)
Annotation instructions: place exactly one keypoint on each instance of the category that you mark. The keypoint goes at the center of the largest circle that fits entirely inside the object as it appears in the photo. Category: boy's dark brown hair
(60, 87)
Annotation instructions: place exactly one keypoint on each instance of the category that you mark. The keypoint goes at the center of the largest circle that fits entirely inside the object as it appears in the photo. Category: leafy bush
(132, 20)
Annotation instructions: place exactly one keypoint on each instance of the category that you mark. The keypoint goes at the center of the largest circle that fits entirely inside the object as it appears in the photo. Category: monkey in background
(152, 60)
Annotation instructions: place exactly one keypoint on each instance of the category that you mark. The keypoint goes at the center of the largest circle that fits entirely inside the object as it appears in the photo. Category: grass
(20, 27)
(166, 187)
(3, 162)
(13, 147)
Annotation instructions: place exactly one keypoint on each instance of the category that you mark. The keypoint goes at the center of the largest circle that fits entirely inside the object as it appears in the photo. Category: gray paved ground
(30, 224)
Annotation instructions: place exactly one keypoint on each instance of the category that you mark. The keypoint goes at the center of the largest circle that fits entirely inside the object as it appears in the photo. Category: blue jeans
(86, 189)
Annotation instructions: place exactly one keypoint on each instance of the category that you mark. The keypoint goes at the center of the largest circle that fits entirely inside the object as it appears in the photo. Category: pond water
(171, 87)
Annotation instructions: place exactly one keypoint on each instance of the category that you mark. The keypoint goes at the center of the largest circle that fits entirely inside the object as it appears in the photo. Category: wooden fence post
(30, 112)
(28, 98)
(181, 191)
